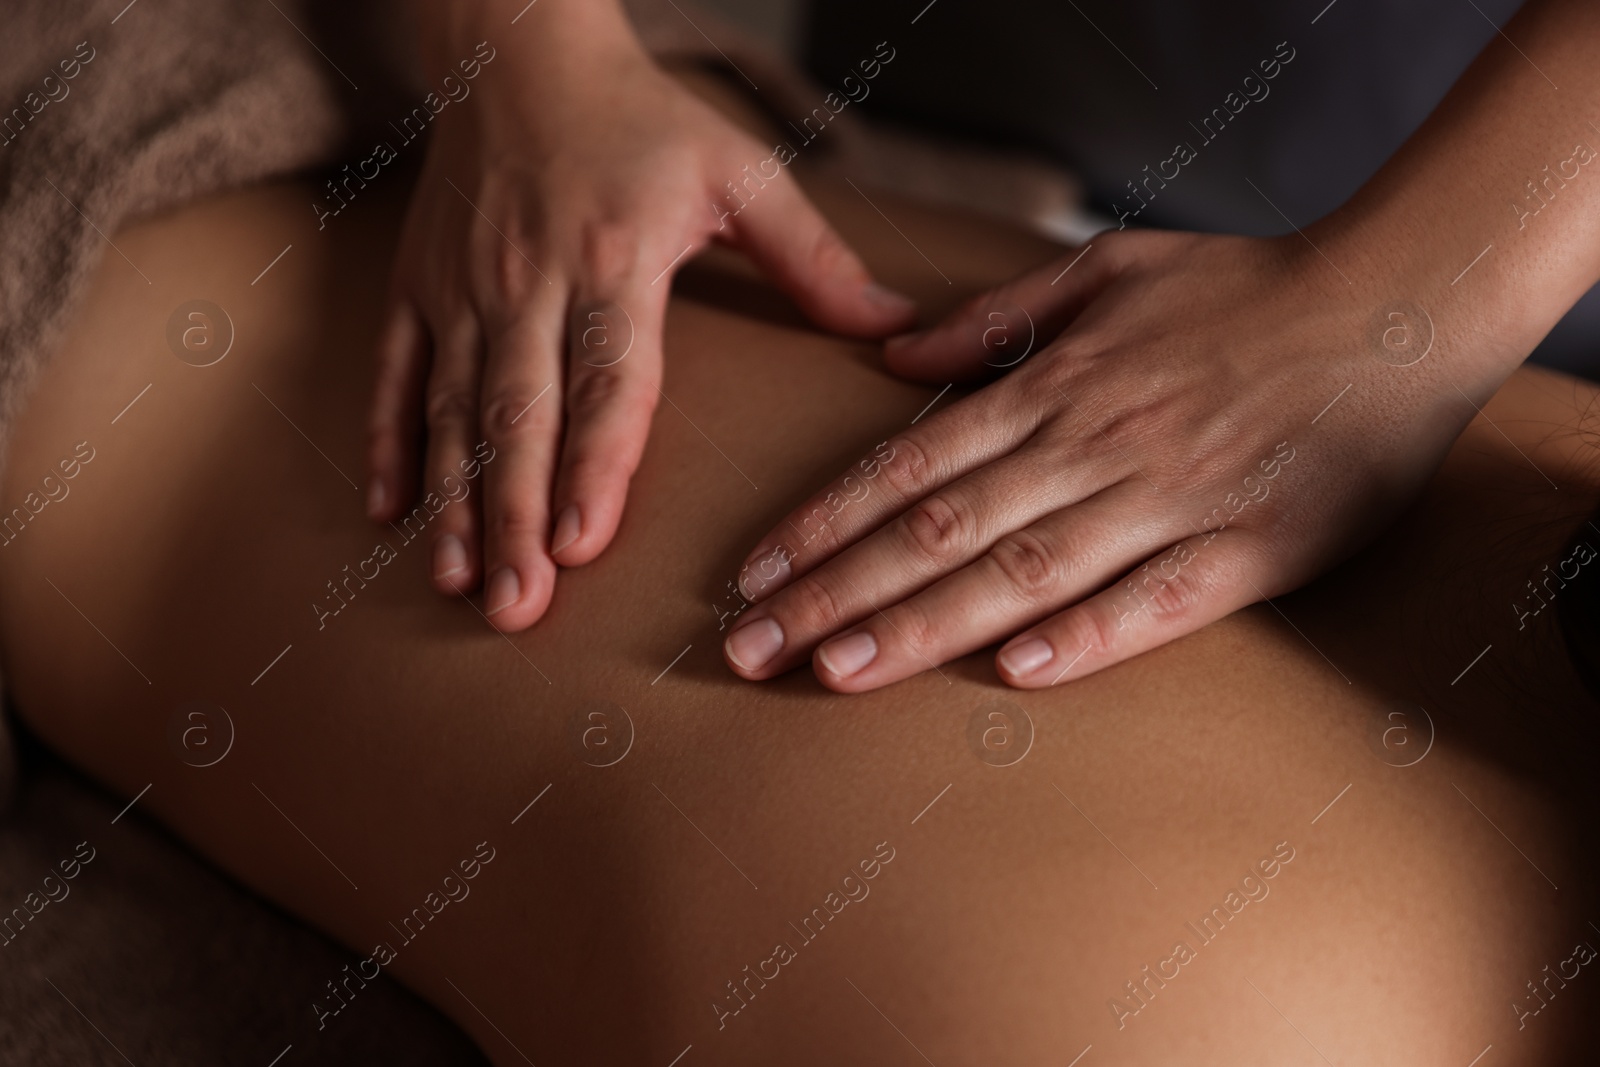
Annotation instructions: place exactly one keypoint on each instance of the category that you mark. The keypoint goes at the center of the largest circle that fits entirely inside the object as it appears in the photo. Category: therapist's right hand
(531, 282)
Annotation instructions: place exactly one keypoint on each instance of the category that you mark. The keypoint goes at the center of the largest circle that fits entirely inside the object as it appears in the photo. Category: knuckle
(1168, 601)
(1028, 564)
(828, 254)
(939, 527)
(909, 466)
(512, 523)
(508, 412)
(914, 629)
(512, 274)
(504, 270)
(1178, 599)
(608, 253)
(383, 423)
(594, 389)
(1090, 634)
(810, 605)
(450, 406)
(815, 526)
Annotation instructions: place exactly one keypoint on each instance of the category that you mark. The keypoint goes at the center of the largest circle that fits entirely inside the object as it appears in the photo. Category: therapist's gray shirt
(1112, 87)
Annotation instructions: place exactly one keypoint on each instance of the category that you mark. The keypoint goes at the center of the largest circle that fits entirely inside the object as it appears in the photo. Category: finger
(782, 231)
(946, 534)
(1190, 585)
(613, 380)
(999, 329)
(522, 423)
(973, 432)
(1022, 577)
(395, 420)
(452, 414)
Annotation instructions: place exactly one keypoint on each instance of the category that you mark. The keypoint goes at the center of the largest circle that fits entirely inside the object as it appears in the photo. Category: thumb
(794, 245)
(997, 330)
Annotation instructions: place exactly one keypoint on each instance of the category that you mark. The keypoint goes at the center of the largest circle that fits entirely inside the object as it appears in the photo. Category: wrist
(547, 43)
(1489, 215)
(1408, 263)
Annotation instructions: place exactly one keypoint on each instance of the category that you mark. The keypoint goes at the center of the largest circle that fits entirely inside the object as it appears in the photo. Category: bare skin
(1168, 365)
(558, 200)
(1019, 901)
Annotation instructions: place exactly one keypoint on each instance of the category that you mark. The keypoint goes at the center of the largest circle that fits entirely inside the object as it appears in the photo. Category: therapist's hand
(530, 286)
(1169, 457)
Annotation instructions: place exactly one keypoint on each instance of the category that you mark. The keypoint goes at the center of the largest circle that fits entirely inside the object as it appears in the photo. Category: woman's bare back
(1298, 836)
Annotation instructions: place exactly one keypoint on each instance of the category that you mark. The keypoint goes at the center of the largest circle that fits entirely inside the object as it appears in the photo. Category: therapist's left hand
(1170, 457)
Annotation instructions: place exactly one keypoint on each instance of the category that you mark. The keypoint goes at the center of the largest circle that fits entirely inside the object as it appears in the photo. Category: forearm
(1506, 168)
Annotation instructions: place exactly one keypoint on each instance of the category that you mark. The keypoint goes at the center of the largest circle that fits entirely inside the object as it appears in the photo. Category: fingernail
(848, 654)
(449, 556)
(888, 299)
(503, 591)
(752, 646)
(376, 496)
(1026, 657)
(568, 526)
(754, 581)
